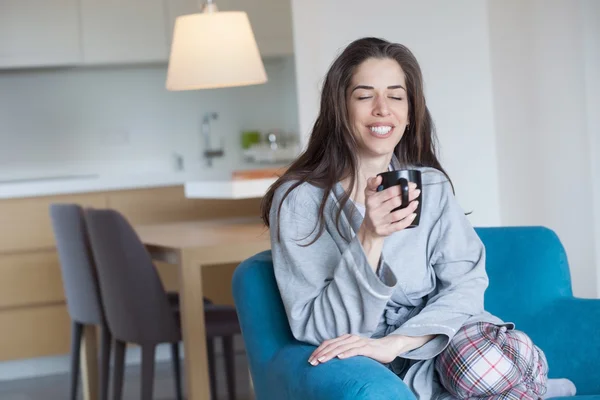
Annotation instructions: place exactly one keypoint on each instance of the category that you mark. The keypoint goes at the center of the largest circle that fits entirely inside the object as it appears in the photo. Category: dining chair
(81, 289)
(139, 310)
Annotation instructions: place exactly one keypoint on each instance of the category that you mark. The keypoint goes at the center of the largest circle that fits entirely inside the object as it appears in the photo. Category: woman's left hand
(384, 349)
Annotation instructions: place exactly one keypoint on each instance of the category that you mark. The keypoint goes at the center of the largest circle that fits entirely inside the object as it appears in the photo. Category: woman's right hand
(379, 221)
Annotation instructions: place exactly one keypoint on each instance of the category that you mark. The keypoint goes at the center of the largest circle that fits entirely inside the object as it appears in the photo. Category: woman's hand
(384, 350)
(379, 221)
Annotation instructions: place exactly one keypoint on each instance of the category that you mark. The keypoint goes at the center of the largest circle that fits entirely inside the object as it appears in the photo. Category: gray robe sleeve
(458, 261)
(326, 292)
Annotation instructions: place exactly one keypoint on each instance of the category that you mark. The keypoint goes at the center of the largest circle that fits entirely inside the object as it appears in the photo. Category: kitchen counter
(88, 183)
(228, 189)
(196, 185)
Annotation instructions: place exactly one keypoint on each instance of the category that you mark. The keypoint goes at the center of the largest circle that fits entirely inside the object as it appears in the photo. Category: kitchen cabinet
(123, 31)
(271, 22)
(39, 33)
(137, 31)
(33, 314)
(176, 8)
(46, 33)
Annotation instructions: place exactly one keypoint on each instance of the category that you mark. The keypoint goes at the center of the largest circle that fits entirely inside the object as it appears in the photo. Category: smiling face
(377, 105)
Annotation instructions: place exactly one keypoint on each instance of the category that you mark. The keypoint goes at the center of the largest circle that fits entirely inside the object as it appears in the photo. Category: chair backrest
(76, 263)
(263, 321)
(528, 270)
(135, 302)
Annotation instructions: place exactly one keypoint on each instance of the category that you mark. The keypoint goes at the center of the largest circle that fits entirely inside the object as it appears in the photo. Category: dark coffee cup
(402, 178)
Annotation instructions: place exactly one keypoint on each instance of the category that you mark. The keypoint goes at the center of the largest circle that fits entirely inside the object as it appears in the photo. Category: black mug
(402, 178)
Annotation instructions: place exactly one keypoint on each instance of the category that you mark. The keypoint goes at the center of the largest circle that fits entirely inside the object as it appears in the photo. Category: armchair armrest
(292, 377)
(569, 334)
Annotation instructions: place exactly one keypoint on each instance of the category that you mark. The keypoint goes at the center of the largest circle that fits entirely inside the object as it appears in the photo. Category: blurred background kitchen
(86, 117)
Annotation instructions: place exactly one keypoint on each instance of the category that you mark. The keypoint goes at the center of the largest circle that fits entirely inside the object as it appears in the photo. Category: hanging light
(214, 49)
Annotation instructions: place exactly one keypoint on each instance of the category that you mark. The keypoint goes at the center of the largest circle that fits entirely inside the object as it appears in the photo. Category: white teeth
(381, 130)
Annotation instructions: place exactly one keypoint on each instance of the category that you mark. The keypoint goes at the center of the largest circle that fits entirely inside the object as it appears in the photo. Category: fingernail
(341, 355)
(320, 359)
(413, 215)
(313, 362)
(418, 192)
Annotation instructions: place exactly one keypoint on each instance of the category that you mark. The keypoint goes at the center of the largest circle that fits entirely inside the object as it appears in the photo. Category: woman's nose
(381, 108)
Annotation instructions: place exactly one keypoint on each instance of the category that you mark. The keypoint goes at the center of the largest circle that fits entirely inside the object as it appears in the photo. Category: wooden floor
(57, 387)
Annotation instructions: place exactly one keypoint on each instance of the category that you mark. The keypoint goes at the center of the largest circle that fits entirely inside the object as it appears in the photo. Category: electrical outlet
(178, 162)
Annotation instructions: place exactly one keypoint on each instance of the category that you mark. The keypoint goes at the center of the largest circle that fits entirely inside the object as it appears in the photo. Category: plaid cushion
(485, 360)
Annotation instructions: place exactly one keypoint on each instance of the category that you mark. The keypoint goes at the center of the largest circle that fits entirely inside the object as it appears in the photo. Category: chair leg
(76, 334)
(176, 369)
(148, 354)
(105, 349)
(119, 369)
(210, 353)
(229, 355)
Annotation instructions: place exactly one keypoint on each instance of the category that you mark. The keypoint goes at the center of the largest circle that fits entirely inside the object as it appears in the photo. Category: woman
(353, 280)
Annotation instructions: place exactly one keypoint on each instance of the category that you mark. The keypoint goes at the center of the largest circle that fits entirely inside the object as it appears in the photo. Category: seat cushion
(220, 319)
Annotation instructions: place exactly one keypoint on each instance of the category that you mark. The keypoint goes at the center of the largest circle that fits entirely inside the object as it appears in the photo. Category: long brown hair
(331, 154)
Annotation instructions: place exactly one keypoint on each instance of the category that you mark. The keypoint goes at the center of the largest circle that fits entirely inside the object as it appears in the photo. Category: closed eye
(365, 97)
(396, 98)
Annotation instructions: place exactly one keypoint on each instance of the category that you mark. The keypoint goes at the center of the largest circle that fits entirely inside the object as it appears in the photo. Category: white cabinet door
(176, 8)
(271, 21)
(272, 25)
(123, 31)
(36, 33)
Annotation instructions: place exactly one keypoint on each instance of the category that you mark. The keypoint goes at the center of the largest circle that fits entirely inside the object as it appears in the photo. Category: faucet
(209, 153)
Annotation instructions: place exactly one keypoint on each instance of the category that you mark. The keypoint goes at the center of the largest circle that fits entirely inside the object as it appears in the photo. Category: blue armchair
(530, 285)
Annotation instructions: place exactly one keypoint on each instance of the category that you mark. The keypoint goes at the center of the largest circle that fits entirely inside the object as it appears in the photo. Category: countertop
(228, 189)
(196, 185)
(88, 183)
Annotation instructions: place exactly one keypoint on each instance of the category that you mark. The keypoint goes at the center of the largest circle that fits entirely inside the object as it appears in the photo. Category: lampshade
(214, 50)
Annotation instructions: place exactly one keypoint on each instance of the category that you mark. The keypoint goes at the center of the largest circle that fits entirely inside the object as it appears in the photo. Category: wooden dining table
(190, 246)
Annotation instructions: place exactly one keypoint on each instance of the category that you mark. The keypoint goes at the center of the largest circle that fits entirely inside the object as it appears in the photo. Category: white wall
(122, 119)
(450, 41)
(511, 85)
(541, 105)
(591, 31)
(514, 100)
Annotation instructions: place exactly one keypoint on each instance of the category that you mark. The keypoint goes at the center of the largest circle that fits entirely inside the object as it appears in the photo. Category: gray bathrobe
(430, 279)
